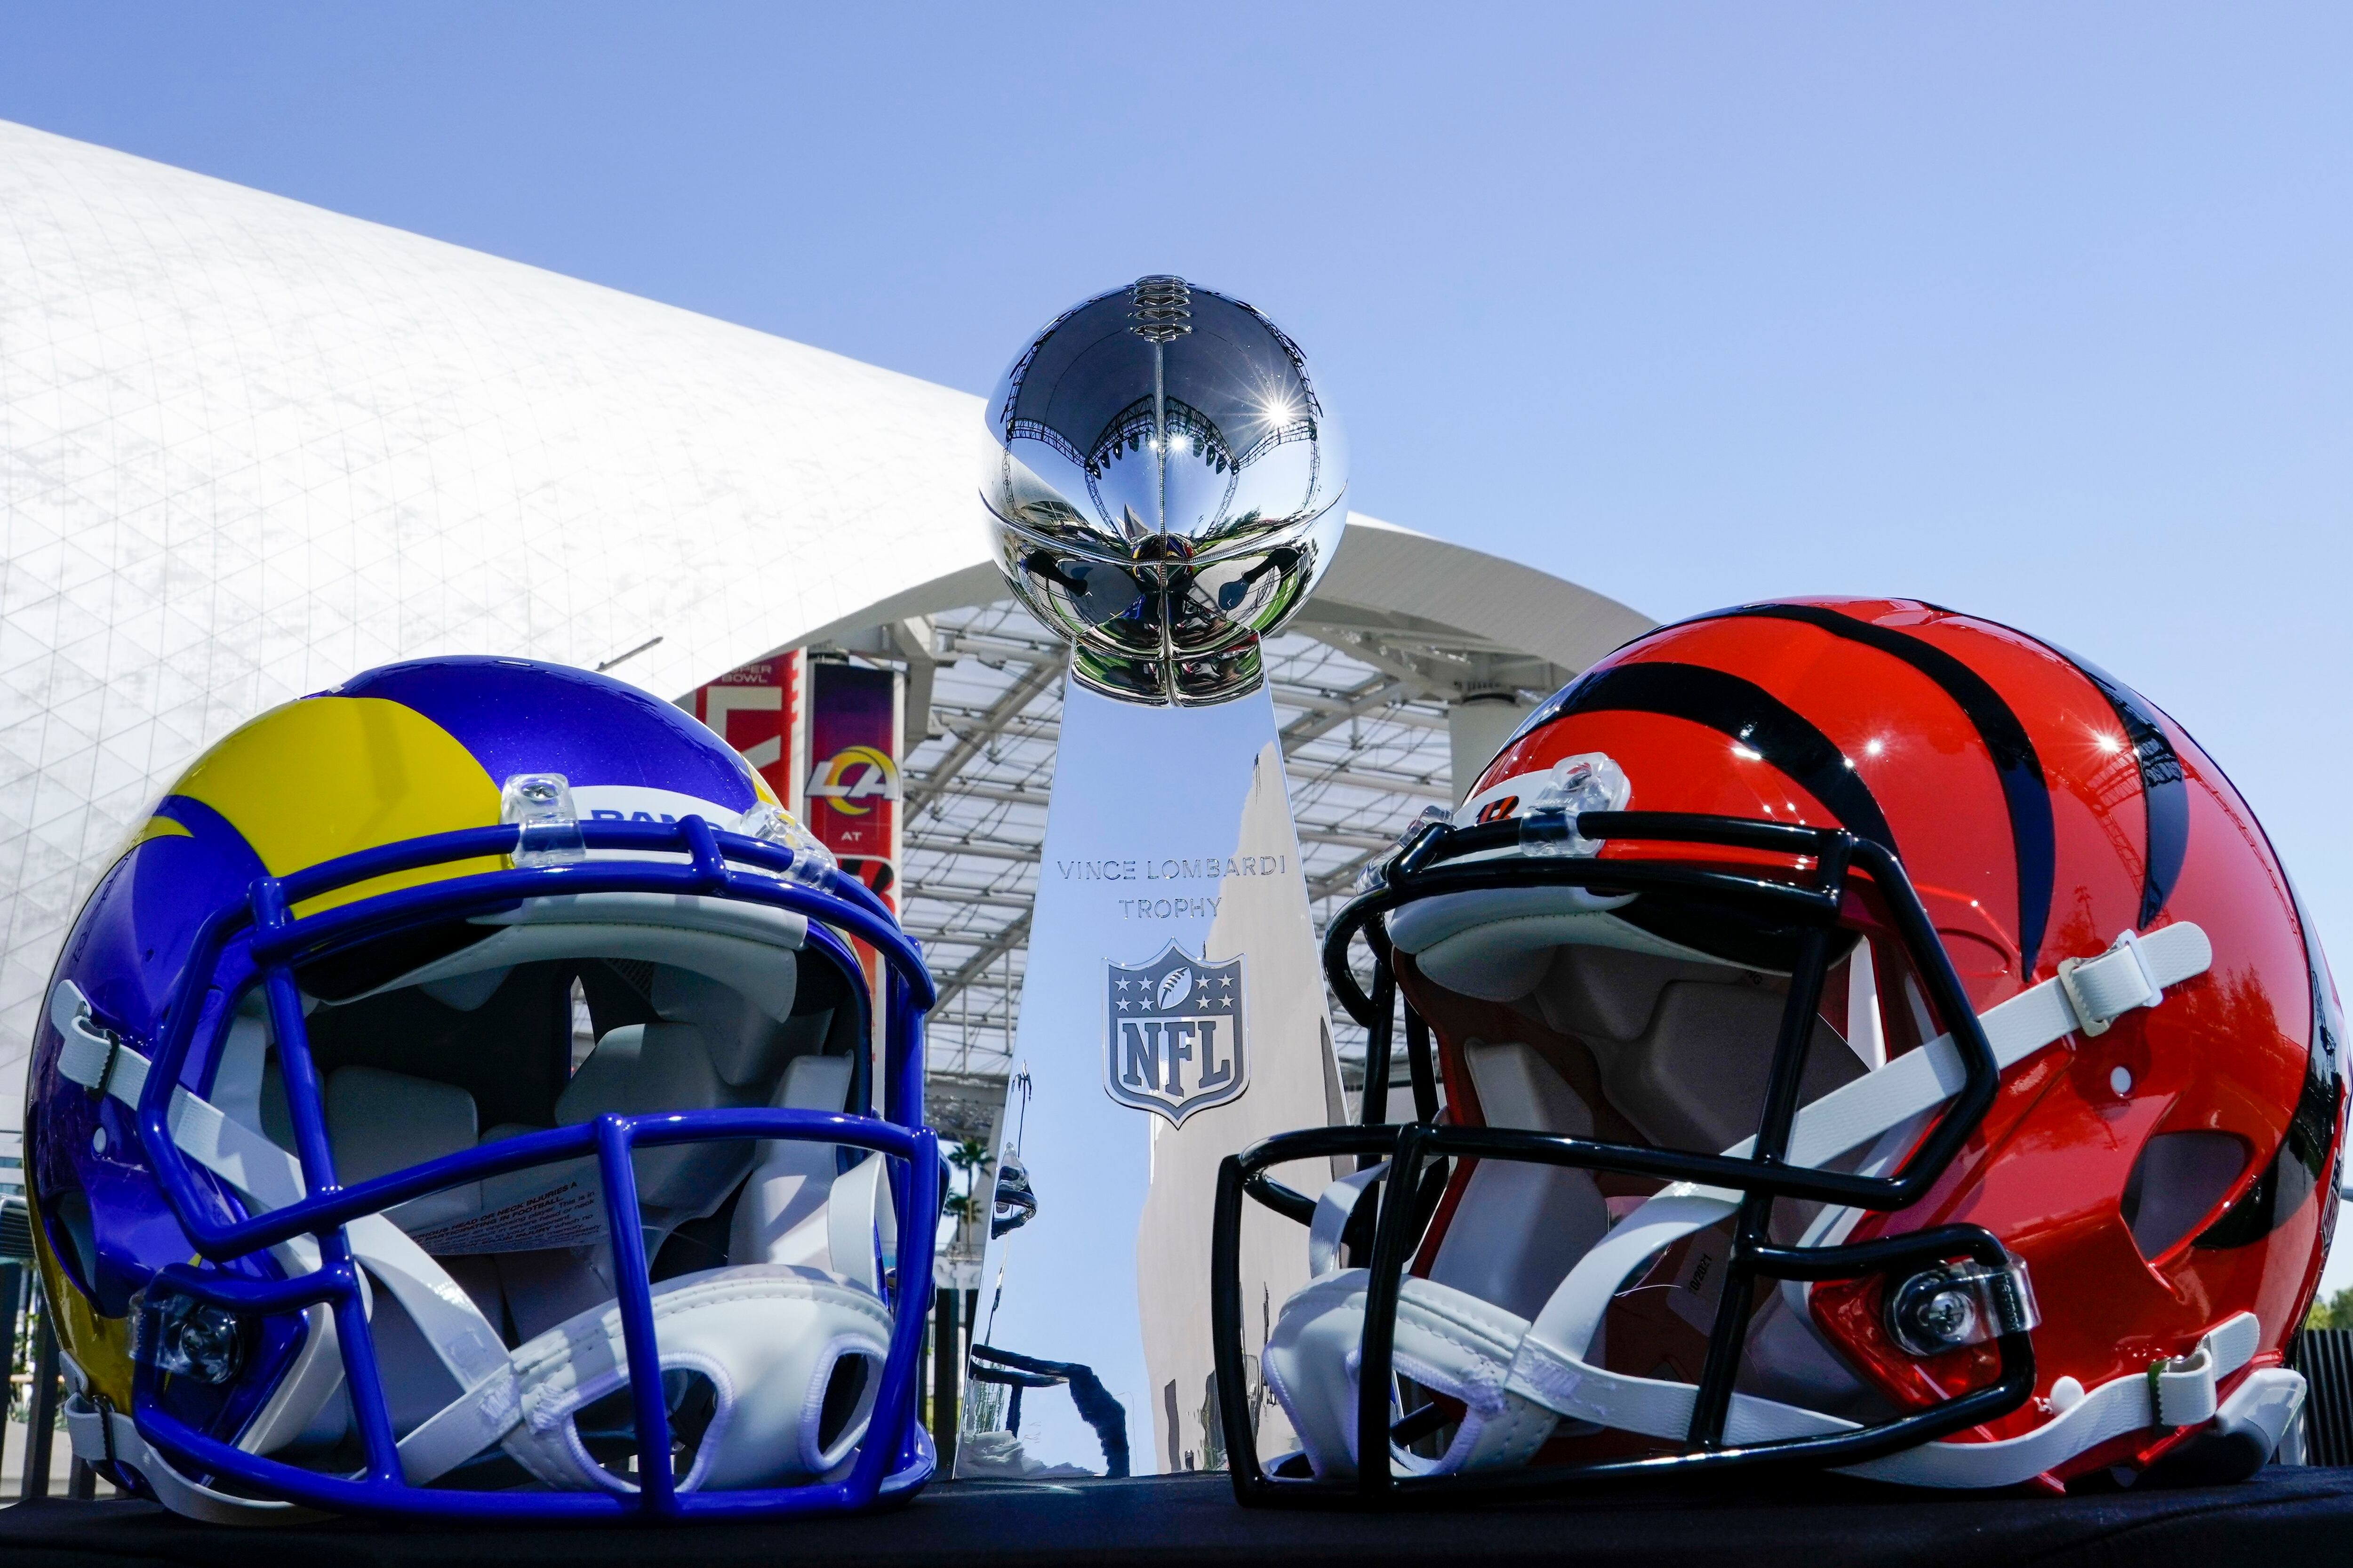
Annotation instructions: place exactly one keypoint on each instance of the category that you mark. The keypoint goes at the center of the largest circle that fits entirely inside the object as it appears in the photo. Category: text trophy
(1166, 488)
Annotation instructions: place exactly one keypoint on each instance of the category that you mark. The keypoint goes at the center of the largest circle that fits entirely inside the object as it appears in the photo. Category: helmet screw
(197, 1340)
(1931, 1314)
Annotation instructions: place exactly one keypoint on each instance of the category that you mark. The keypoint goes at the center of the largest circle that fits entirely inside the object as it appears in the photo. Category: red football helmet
(1868, 1036)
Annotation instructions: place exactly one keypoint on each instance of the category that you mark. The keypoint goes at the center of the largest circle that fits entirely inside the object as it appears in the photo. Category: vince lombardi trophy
(1166, 488)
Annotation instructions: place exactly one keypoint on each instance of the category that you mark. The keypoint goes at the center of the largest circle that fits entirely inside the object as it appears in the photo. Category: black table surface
(1818, 1523)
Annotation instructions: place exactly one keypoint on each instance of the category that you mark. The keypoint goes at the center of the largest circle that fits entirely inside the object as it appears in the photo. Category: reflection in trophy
(1166, 489)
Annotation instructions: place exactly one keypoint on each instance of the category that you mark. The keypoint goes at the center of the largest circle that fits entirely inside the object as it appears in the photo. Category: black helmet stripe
(1747, 713)
(2163, 786)
(2301, 1162)
(2024, 791)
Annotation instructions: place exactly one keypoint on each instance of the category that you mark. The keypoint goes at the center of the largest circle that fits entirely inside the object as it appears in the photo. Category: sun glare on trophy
(1166, 487)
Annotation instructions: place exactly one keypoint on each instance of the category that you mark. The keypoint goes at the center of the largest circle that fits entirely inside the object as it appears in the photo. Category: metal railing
(27, 1337)
(2325, 1356)
(29, 1345)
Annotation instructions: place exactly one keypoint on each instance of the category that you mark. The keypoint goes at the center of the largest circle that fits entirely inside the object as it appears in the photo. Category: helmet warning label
(563, 1208)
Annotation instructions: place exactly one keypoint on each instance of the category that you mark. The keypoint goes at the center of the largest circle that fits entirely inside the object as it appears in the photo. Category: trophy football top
(1166, 487)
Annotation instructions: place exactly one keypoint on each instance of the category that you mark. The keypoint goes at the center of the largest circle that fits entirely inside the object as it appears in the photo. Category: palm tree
(967, 1157)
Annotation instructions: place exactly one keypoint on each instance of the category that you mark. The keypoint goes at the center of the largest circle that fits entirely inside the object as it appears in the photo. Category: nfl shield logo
(1173, 1041)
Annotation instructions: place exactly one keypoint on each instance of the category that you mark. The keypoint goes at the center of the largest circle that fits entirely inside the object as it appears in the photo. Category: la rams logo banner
(1173, 1037)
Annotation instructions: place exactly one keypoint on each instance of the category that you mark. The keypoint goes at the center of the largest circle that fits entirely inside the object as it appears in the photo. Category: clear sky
(2038, 311)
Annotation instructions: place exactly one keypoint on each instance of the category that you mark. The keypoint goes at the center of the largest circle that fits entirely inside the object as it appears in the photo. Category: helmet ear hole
(694, 1400)
(844, 1404)
(73, 1238)
(2176, 1182)
(607, 1426)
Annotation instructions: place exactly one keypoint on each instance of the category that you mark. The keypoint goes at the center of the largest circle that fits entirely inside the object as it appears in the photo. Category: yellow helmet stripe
(333, 776)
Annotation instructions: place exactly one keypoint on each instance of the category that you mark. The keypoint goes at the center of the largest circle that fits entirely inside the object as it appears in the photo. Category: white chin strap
(1517, 1380)
(770, 1337)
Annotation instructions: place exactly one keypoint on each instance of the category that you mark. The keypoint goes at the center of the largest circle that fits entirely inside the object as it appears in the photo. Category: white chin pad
(1496, 946)
(768, 1336)
(1446, 1342)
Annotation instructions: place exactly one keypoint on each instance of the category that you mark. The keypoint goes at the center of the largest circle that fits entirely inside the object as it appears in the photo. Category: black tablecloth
(2284, 1516)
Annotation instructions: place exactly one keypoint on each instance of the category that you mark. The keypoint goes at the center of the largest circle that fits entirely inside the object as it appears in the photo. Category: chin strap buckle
(2101, 990)
(106, 1430)
(2191, 1379)
(113, 1055)
(71, 1016)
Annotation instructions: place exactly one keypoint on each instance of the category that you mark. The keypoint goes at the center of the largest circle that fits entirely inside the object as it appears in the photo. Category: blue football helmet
(458, 1100)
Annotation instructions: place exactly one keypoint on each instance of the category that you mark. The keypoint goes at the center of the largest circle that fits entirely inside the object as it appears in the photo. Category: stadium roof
(249, 447)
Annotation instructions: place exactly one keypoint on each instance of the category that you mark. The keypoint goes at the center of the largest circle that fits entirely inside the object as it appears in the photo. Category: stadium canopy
(249, 447)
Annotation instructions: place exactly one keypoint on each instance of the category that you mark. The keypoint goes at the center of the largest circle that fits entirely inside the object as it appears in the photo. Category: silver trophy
(1166, 487)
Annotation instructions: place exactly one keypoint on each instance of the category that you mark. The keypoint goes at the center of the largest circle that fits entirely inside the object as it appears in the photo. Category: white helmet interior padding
(779, 1217)
(380, 1121)
(536, 1290)
(1557, 1211)
(655, 1067)
(720, 978)
(291, 1419)
(1696, 1077)
(739, 1034)
(676, 930)
(1496, 945)
(1681, 1040)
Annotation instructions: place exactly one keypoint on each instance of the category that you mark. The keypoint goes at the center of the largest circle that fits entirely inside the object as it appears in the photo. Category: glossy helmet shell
(398, 754)
(2040, 808)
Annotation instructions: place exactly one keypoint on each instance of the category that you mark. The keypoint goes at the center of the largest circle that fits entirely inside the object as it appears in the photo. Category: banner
(852, 786)
(852, 783)
(762, 711)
